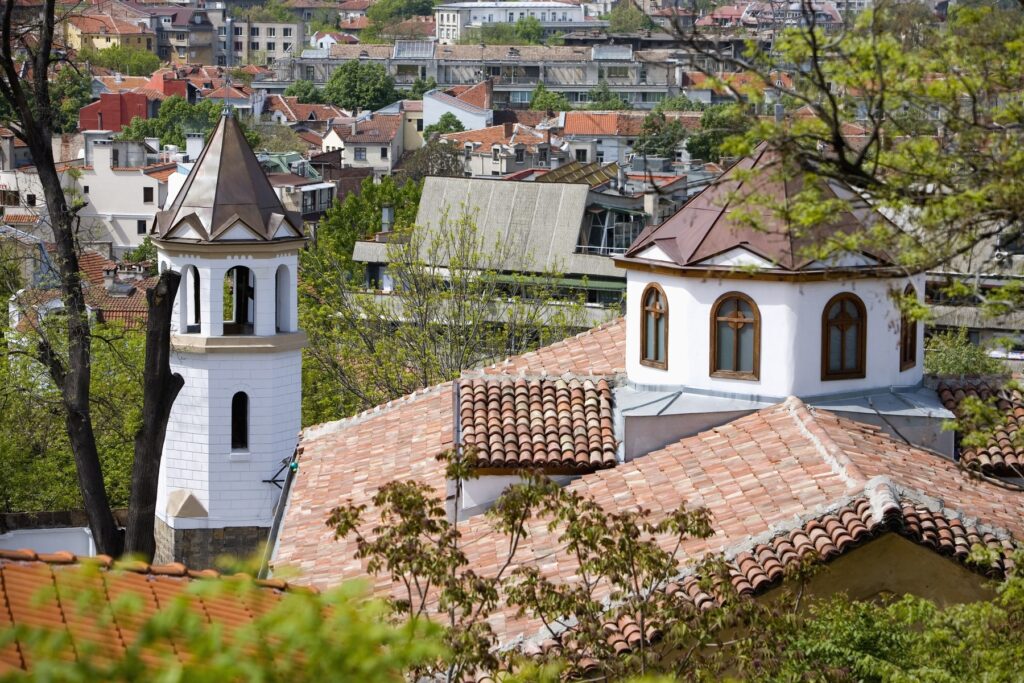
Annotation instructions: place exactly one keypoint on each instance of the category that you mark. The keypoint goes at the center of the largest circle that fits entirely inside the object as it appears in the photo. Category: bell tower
(235, 340)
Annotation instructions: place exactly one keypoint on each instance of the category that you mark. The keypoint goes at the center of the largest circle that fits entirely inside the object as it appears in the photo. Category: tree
(280, 139)
(951, 354)
(428, 327)
(659, 137)
(272, 11)
(144, 252)
(66, 353)
(385, 12)
(447, 123)
(678, 103)
(626, 17)
(543, 99)
(529, 30)
(177, 117)
(360, 85)
(72, 90)
(718, 123)
(131, 61)
(434, 158)
(420, 87)
(305, 91)
(603, 99)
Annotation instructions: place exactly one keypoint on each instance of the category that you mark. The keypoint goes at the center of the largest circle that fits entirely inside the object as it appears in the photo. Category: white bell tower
(235, 340)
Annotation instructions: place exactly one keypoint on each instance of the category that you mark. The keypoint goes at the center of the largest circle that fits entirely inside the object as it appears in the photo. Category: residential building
(452, 19)
(353, 8)
(186, 35)
(375, 141)
(511, 147)
(256, 42)
(100, 31)
(323, 40)
(411, 112)
(310, 197)
(470, 104)
(288, 111)
(113, 111)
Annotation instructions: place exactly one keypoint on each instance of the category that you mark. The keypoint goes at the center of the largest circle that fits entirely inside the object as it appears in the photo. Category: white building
(471, 105)
(726, 318)
(235, 341)
(452, 19)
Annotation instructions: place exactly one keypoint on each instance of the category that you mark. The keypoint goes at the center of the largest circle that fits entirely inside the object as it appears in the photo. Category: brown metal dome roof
(728, 215)
(227, 197)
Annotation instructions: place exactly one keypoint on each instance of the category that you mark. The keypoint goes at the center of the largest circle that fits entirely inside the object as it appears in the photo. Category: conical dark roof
(718, 219)
(226, 187)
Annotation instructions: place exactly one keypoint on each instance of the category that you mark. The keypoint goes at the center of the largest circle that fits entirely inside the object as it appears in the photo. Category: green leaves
(543, 99)
(360, 85)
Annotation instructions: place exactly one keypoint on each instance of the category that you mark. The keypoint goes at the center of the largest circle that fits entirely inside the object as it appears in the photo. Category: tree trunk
(160, 388)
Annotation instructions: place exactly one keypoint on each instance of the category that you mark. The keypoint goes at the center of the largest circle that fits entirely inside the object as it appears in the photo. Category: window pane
(833, 311)
(660, 339)
(746, 360)
(745, 308)
(726, 348)
(834, 349)
(850, 355)
(651, 333)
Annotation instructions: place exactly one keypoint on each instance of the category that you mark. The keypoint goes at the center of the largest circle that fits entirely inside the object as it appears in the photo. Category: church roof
(735, 213)
(234, 205)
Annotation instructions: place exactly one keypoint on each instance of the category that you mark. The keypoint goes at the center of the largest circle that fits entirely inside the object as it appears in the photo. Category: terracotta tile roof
(380, 128)
(102, 23)
(399, 441)
(538, 423)
(626, 124)
(123, 83)
(44, 590)
(92, 264)
(1003, 455)
(227, 92)
(19, 218)
(509, 134)
(295, 111)
(526, 117)
(162, 174)
(412, 105)
(478, 95)
(354, 24)
(354, 6)
(311, 138)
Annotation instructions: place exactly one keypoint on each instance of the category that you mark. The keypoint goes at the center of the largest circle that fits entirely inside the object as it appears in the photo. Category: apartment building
(640, 77)
(185, 35)
(256, 42)
(101, 31)
(453, 19)
(508, 148)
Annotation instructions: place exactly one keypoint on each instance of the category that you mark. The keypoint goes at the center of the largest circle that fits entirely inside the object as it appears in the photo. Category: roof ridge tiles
(823, 443)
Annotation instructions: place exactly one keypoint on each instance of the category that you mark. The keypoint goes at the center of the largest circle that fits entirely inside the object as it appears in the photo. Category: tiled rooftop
(550, 424)
(1003, 455)
(46, 590)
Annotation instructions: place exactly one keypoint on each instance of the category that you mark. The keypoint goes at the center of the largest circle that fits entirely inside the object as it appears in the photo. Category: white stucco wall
(790, 334)
(434, 109)
(198, 456)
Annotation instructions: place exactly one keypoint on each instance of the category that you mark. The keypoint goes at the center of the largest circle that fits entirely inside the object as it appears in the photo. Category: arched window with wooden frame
(843, 338)
(735, 337)
(908, 333)
(654, 329)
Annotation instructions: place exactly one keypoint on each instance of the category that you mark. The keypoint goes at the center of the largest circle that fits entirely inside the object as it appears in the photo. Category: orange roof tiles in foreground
(47, 590)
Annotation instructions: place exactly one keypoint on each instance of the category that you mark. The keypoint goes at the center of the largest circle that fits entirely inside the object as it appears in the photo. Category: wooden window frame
(908, 335)
(713, 351)
(661, 365)
(862, 337)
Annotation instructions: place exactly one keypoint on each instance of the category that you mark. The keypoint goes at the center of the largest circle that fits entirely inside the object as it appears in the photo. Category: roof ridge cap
(823, 443)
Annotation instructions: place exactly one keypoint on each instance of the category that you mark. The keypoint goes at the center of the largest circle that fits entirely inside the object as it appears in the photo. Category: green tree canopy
(678, 103)
(421, 86)
(70, 90)
(177, 117)
(543, 99)
(603, 99)
(272, 11)
(718, 123)
(626, 17)
(305, 91)
(360, 85)
(659, 137)
(447, 123)
(131, 61)
(529, 30)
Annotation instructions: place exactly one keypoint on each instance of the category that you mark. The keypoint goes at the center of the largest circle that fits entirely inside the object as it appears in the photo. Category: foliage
(340, 634)
(37, 471)
(659, 136)
(951, 354)
(144, 252)
(177, 117)
(447, 123)
(678, 103)
(272, 11)
(280, 139)
(529, 30)
(543, 99)
(429, 326)
(718, 123)
(384, 12)
(626, 17)
(434, 158)
(420, 87)
(360, 85)
(305, 91)
(131, 61)
(71, 91)
(603, 99)
(322, 20)
(526, 31)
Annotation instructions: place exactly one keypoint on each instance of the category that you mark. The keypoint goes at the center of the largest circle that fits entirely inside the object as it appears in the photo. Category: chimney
(109, 275)
(194, 144)
(651, 207)
(621, 178)
(387, 220)
(355, 125)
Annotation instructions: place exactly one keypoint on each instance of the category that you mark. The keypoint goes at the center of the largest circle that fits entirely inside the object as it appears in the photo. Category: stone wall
(200, 548)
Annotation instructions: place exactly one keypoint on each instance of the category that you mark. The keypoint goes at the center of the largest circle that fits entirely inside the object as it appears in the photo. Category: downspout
(275, 527)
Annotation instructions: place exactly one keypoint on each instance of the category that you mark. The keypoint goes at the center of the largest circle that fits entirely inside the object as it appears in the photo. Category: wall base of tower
(200, 548)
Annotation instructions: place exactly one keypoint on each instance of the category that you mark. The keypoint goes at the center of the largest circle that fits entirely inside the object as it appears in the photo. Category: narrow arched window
(193, 305)
(735, 337)
(283, 299)
(908, 334)
(239, 301)
(843, 338)
(239, 421)
(654, 333)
